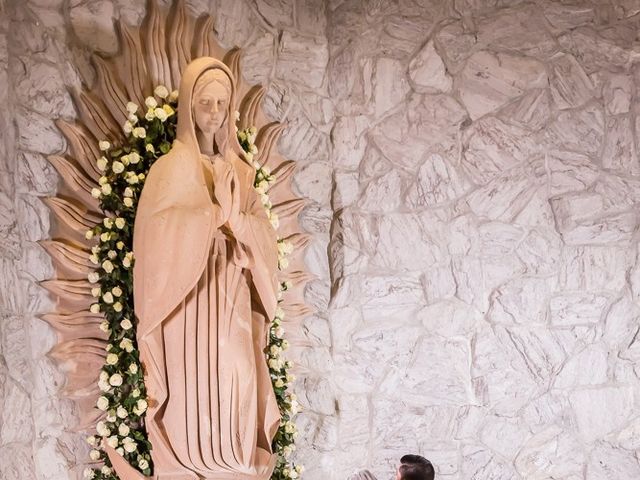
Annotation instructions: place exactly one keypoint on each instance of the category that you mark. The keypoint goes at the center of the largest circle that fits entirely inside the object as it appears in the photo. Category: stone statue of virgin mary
(205, 290)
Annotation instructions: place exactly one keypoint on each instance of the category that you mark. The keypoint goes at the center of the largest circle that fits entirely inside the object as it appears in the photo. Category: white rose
(120, 245)
(102, 403)
(127, 127)
(121, 412)
(117, 291)
(117, 307)
(88, 473)
(104, 326)
(140, 407)
(150, 148)
(120, 451)
(104, 237)
(102, 164)
(117, 167)
(161, 114)
(126, 324)
(88, 234)
(115, 380)
(93, 277)
(168, 110)
(106, 189)
(132, 179)
(113, 441)
(128, 202)
(120, 222)
(108, 298)
(104, 386)
(173, 96)
(161, 91)
(91, 440)
(107, 266)
(108, 222)
(129, 444)
(150, 102)
(96, 292)
(133, 368)
(132, 107)
(112, 254)
(135, 393)
(95, 308)
(123, 429)
(150, 115)
(126, 345)
(94, 455)
(102, 429)
(263, 186)
(106, 470)
(112, 359)
(104, 145)
(126, 262)
(279, 383)
(143, 464)
(139, 132)
(134, 158)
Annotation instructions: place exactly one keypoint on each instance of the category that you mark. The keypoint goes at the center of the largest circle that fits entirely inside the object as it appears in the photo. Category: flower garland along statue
(112, 147)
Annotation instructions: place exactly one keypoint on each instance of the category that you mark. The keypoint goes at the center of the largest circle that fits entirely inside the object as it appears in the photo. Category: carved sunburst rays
(154, 53)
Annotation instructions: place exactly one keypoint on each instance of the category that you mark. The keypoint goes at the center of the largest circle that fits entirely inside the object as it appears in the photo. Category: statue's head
(210, 104)
(207, 105)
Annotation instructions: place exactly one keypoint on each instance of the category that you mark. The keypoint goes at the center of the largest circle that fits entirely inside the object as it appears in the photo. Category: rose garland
(124, 397)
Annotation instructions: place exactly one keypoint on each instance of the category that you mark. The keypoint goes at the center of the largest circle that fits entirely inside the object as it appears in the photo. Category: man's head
(415, 467)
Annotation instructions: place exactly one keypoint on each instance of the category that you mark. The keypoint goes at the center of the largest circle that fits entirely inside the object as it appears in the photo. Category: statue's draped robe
(204, 293)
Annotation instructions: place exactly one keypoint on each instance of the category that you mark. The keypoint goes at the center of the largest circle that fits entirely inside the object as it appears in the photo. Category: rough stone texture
(493, 209)
(472, 174)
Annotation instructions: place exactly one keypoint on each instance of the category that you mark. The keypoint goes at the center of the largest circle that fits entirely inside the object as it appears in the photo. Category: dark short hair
(415, 467)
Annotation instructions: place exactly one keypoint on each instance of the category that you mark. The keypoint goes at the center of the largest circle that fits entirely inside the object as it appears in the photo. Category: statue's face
(210, 107)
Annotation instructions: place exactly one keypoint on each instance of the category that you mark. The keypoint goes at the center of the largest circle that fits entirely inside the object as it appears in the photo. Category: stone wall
(472, 174)
(484, 237)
